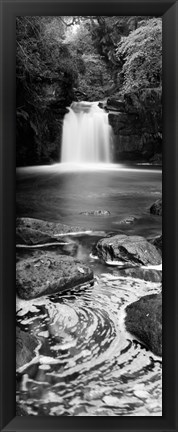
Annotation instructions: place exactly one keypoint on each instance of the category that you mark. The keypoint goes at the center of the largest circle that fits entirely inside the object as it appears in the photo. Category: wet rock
(128, 147)
(102, 105)
(49, 274)
(114, 401)
(156, 159)
(121, 121)
(141, 394)
(157, 242)
(57, 106)
(21, 411)
(115, 104)
(70, 249)
(111, 401)
(80, 411)
(130, 250)
(103, 412)
(80, 94)
(96, 393)
(129, 220)
(141, 412)
(30, 236)
(156, 208)
(134, 136)
(63, 319)
(96, 213)
(142, 273)
(50, 228)
(25, 348)
(144, 320)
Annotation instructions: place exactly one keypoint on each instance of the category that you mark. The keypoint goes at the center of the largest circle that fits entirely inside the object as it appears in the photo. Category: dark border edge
(1, 198)
(12, 425)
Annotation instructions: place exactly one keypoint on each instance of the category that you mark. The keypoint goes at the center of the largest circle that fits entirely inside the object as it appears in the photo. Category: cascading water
(86, 134)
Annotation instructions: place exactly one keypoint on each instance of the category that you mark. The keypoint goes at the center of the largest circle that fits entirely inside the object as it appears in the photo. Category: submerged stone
(129, 220)
(96, 213)
(144, 320)
(49, 274)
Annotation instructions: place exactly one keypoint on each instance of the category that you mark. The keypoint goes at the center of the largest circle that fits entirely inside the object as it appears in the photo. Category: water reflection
(58, 195)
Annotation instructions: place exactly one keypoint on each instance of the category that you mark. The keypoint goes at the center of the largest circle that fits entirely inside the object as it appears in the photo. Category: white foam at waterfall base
(86, 135)
(67, 167)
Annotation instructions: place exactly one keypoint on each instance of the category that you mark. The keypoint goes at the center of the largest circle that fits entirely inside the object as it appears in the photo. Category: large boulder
(156, 208)
(50, 228)
(144, 320)
(48, 274)
(128, 250)
(25, 347)
(31, 237)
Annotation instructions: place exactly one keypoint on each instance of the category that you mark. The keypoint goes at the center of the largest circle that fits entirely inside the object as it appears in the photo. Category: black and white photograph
(89, 215)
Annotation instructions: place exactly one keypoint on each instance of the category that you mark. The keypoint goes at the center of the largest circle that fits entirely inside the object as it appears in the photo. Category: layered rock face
(134, 137)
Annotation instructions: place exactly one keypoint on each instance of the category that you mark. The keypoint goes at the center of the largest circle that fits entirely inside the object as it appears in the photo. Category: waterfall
(86, 134)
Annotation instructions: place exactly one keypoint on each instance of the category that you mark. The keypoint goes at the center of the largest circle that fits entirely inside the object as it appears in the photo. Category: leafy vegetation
(141, 55)
(141, 77)
(61, 59)
(47, 71)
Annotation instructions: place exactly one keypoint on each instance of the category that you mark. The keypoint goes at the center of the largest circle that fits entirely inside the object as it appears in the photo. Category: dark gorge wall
(39, 125)
(56, 66)
(137, 136)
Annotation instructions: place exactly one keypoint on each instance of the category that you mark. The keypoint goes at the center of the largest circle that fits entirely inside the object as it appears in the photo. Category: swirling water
(86, 363)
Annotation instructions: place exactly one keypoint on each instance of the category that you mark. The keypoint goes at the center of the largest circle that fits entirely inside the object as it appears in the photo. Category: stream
(86, 363)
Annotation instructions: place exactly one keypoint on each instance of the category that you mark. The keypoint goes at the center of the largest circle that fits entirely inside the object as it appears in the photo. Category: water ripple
(87, 364)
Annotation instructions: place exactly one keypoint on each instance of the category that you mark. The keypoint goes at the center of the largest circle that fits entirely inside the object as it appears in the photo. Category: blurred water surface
(86, 363)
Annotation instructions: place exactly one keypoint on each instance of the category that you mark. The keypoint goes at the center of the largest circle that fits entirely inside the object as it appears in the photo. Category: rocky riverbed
(88, 326)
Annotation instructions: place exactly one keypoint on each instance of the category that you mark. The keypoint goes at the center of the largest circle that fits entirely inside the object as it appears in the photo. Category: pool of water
(57, 194)
(86, 363)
